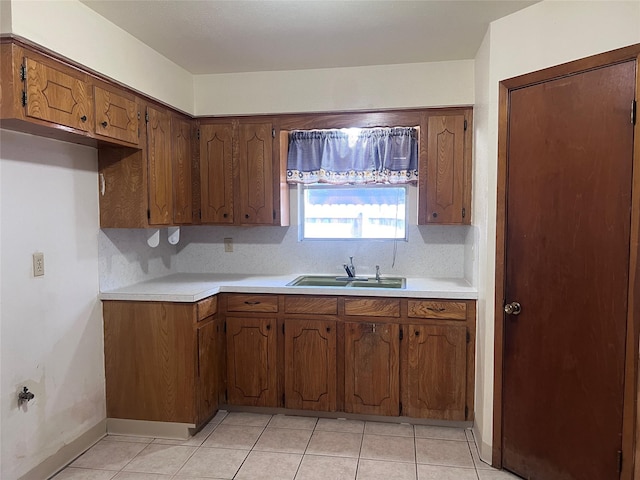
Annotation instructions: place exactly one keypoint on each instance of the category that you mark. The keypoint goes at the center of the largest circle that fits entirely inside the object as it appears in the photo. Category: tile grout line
(251, 449)
(305, 449)
(415, 450)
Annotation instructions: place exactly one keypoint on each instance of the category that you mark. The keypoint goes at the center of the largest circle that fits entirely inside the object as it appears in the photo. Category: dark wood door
(116, 115)
(310, 364)
(437, 372)
(159, 162)
(181, 167)
(372, 368)
(207, 370)
(567, 253)
(255, 173)
(216, 173)
(251, 362)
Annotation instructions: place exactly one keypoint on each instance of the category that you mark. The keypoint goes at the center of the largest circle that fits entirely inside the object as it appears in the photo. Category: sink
(356, 282)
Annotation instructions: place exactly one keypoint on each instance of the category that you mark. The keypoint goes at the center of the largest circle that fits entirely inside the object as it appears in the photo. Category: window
(352, 212)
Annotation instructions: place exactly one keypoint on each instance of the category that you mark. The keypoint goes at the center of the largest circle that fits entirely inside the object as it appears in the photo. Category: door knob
(512, 308)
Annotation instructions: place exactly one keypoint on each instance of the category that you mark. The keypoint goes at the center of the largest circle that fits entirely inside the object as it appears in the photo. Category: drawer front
(252, 303)
(207, 307)
(372, 307)
(311, 305)
(431, 309)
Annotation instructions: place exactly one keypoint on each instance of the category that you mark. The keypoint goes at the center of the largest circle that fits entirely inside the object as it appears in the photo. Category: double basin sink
(347, 282)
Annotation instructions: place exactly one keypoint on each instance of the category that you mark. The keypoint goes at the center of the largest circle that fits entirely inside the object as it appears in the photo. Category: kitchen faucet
(350, 268)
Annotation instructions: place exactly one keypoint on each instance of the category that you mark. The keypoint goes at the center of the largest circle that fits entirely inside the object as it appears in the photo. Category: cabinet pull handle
(102, 184)
(434, 309)
(247, 302)
(83, 118)
(104, 124)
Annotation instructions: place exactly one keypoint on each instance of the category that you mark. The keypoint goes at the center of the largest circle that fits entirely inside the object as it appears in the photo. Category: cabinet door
(116, 115)
(437, 372)
(57, 97)
(371, 369)
(310, 364)
(216, 173)
(181, 164)
(207, 370)
(445, 175)
(251, 362)
(159, 163)
(255, 173)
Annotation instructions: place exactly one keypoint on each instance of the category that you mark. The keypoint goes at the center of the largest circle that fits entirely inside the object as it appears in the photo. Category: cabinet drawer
(311, 305)
(207, 307)
(252, 303)
(430, 309)
(372, 307)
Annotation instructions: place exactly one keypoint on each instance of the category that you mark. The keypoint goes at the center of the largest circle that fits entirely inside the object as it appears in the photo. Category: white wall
(51, 336)
(72, 29)
(334, 89)
(543, 35)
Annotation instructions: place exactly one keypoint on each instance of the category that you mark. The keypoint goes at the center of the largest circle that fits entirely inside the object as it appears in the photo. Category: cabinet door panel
(181, 170)
(372, 368)
(255, 165)
(251, 362)
(159, 162)
(116, 116)
(310, 359)
(437, 372)
(57, 97)
(207, 371)
(216, 173)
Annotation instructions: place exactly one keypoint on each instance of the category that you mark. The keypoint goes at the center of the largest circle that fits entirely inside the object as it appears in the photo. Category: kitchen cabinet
(240, 174)
(151, 186)
(310, 364)
(372, 368)
(159, 360)
(116, 114)
(251, 361)
(445, 168)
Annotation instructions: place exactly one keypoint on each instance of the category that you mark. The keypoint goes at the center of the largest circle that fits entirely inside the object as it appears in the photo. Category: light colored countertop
(191, 287)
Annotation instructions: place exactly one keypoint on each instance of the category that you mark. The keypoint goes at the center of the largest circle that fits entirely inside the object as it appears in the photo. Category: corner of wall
(5, 16)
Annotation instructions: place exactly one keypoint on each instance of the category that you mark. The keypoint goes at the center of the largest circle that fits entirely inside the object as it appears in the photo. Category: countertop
(192, 287)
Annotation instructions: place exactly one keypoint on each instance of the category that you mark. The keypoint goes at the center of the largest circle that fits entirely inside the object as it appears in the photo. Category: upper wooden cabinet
(159, 165)
(116, 115)
(445, 168)
(240, 174)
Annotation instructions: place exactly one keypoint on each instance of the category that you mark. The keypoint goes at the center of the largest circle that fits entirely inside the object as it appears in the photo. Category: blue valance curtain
(353, 156)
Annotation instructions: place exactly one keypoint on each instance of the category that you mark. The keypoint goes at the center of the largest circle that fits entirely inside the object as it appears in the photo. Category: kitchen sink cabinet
(310, 364)
(240, 174)
(444, 189)
(160, 361)
(372, 368)
(251, 361)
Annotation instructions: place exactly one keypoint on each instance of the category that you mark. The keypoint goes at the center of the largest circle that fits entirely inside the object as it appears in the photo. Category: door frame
(631, 401)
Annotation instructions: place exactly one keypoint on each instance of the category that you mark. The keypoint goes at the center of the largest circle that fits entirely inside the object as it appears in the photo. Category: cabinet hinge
(400, 412)
(148, 214)
(138, 115)
(468, 337)
(283, 328)
(23, 73)
(273, 133)
(274, 214)
(619, 453)
(401, 334)
(198, 134)
(464, 212)
(200, 214)
(24, 98)
(634, 107)
(466, 412)
(225, 331)
(146, 117)
(283, 402)
(465, 125)
(226, 396)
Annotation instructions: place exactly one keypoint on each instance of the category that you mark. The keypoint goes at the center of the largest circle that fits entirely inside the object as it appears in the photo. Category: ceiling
(214, 36)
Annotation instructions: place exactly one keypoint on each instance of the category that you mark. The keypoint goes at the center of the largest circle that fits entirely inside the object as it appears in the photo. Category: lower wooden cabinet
(160, 362)
(372, 368)
(251, 362)
(436, 372)
(310, 364)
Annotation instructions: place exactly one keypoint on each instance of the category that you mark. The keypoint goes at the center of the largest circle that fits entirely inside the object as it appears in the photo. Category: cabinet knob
(104, 124)
(417, 333)
(225, 215)
(83, 118)
(246, 215)
(435, 215)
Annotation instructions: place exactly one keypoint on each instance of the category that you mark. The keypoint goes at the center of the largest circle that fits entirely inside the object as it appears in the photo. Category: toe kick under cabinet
(176, 362)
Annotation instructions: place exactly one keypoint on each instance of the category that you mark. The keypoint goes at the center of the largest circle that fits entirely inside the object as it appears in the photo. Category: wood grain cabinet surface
(161, 364)
(116, 114)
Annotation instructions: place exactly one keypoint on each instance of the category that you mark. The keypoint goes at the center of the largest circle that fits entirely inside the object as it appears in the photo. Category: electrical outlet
(38, 264)
(228, 245)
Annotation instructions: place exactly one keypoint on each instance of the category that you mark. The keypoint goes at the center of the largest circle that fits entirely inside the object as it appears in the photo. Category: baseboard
(484, 449)
(145, 428)
(69, 452)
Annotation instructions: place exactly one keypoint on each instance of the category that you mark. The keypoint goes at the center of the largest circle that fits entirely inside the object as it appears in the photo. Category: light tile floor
(249, 446)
